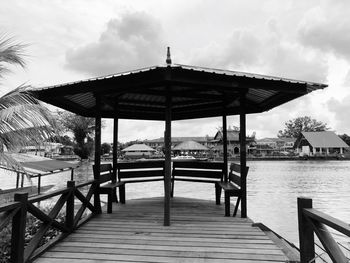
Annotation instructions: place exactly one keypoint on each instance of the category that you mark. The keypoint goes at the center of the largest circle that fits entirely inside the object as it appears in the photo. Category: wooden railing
(18, 210)
(313, 221)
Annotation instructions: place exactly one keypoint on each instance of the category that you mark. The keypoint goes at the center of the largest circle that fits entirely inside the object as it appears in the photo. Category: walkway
(134, 233)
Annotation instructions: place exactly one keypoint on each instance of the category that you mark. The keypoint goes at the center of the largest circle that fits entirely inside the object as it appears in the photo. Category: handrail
(43, 197)
(9, 206)
(313, 221)
(85, 184)
(16, 212)
(328, 220)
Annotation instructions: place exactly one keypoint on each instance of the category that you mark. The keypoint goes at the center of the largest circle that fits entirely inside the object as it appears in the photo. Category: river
(273, 188)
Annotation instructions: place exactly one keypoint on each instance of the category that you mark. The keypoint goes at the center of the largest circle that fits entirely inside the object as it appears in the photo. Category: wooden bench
(197, 171)
(233, 187)
(136, 172)
(108, 184)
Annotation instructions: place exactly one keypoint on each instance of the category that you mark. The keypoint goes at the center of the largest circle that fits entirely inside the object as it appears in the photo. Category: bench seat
(108, 184)
(200, 172)
(233, 187)
(137, 172)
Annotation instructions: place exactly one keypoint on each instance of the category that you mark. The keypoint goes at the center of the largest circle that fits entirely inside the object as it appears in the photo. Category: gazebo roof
(196, 92)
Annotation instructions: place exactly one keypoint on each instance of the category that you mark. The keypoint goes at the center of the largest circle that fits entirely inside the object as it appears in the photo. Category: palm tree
(23, 119)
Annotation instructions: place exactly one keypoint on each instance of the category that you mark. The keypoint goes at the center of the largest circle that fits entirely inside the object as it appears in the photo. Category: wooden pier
(134, 232)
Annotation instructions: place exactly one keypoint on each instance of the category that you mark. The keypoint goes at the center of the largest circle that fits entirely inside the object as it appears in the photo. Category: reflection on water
(273, 188)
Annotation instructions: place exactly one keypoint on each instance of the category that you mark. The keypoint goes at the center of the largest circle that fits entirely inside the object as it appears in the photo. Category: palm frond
(11, 52)
(24, 120)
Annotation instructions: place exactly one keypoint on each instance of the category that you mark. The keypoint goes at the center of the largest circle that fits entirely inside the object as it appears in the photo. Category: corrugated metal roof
(248, 75)
(190, 146)
(138, 148)
(312, 85)
(325, 139)
(196, 92)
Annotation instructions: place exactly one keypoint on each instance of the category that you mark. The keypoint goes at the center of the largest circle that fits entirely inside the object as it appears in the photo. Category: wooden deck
(135, 233)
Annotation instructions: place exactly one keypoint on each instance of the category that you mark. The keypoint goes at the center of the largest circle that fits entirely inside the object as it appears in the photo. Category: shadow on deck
(199, 232)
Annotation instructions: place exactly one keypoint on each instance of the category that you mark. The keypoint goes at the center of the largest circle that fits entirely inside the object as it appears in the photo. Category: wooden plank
(199, 165)
(142, 174)
(238, 254)
(197, 174)
(73, 246)
(84, 257)
(158, 241)
(135, 232)
(140, 165)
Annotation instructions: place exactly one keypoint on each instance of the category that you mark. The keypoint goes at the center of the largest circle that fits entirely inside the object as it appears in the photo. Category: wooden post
(18, 228)
(70, 206)
(115, 143)
(97, 202)
(17, 180)
(22, 180)
(306, 233)
(243, 155)
(167, 168)
(39, 183)
(224, 141)
(115, 153)
(72, 174)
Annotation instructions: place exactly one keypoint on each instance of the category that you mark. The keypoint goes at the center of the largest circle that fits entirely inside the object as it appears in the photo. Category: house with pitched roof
(233, 144)
(320, 143)
(136, 151)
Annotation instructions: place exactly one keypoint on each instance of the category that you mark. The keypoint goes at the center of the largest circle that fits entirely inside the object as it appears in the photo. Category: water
(273, 188)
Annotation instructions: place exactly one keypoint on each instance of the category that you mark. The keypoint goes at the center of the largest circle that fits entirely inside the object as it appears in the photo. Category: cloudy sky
(79, 39)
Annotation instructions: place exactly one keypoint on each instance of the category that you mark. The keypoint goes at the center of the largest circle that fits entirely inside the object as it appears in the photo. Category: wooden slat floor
(135, 233)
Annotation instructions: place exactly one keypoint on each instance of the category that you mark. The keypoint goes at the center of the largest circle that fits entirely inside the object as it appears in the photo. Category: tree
(83, 130)
(345, 138)
(294, 127)
(105, 148)
(23, 119)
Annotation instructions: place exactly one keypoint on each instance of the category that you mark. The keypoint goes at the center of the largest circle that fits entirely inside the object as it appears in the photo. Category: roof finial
(168, 58)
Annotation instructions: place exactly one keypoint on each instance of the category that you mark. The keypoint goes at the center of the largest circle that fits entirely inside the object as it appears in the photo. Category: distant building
(278, 144)
(320, 143)
(159, 143)
(233, 143)
(137, 151)
(44, 149)
(190, 148)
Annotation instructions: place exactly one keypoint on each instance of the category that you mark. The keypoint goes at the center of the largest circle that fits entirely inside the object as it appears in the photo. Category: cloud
(341, 109)
(325, 28)
(131, 41)
(272, 53)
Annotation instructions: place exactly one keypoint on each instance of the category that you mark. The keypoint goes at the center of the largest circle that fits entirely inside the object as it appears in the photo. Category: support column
(224, 141)
(243, 155)
(341, 150)
(97, 202)
(115, 143)
(167, 168)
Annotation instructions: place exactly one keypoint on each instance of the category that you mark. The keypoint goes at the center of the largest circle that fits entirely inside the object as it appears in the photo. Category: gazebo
(173, 92)
(190, 146)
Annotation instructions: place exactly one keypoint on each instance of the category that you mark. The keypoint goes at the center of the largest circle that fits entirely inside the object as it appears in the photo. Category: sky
(78, 39)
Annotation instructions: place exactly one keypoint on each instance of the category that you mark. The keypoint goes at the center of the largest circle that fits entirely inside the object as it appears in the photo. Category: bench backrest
(235, 173)
(136, 170)
(197, 169)
(106, 173)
